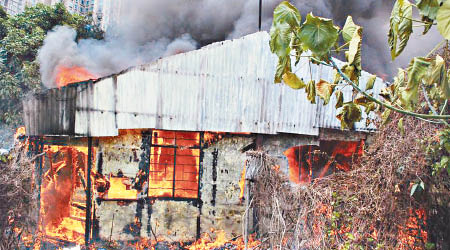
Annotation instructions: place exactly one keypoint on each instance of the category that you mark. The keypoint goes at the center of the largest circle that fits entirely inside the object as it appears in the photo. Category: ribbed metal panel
(327, 113)
(96, 109)
(227, 86)
(51, 112)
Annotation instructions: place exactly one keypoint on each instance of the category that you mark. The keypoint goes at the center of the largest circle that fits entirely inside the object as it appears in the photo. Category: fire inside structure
(134, 156)
(63, 199)
(68, 75)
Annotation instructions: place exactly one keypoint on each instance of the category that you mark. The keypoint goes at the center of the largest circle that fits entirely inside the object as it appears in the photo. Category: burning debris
(63, 194)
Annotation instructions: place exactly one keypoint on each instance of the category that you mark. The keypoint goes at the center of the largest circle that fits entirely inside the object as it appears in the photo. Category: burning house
(160, 150)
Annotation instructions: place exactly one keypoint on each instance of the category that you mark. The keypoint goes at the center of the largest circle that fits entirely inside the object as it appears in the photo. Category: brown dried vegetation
(369, 207)
(17, 199)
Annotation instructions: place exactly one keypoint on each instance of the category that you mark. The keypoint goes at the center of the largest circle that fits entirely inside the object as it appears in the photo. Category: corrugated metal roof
(227, 86)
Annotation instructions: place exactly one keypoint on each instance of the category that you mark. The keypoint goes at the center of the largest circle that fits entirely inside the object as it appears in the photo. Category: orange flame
(20, 131)
(63, 197)
(242, 183)
(121, 189)
(205, 242)
(68, 75)
(305, 162)
(413, 234)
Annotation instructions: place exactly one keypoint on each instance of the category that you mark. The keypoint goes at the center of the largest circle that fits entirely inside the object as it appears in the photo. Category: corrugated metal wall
(51, 112)
(326, 117)
(226, 86)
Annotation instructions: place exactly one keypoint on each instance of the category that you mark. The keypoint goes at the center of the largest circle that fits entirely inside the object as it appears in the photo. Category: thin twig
(444, 107)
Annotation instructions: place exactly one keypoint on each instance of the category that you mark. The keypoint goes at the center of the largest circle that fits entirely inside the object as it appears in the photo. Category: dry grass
(367, 207)
(17, 199)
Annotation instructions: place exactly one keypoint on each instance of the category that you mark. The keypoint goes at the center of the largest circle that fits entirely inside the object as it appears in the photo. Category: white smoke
(150, 29)
(180, 45)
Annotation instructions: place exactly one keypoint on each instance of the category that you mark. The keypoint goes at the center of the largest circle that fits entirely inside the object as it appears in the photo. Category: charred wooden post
(88, 194)
(253, 164)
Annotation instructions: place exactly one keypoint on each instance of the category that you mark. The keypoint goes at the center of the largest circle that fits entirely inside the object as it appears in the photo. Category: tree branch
(430, 104)
(444, 107)
(383, 104)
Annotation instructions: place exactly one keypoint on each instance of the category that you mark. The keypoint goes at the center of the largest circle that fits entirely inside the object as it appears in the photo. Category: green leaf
(349, 29)
(427, 26)
(286, 19)
(350, 236)
(297, 46)
(337, 77)
(416, 71)
(430, 246)
(428, 8)
(349, 114)
(339, 99)
(371, 82)
(351, 72)
(311, 91)
(413, 189)
(318, 34)
(284, 65)
(354, 50)
(324, 90)
(366, 103)
(437, 71)
(445, 161)
(422, 185)
(446, 85)
(285, 12)
(293, 81)
(386, 116)
(400, 126)
(370, 107)
(438, 76)
(391, 93)
(400, 27)
(443, 20)
(280, 39)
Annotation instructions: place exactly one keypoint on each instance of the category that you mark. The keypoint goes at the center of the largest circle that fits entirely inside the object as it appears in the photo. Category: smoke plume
(150, 29)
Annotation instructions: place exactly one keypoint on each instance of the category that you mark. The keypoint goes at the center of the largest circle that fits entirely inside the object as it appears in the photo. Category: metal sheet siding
(96, 109)
(51, 112)
(227, 86)
(327, 113)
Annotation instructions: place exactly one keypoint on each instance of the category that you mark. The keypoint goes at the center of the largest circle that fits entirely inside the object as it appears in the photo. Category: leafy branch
(320, 37)
(384, 104)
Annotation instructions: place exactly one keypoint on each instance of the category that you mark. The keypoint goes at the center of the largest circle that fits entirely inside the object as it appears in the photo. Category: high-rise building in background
(107, 12)
(13, 7)
(82, 7)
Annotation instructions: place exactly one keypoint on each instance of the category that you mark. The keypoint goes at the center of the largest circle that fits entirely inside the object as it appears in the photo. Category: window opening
(174, 164)
(308, 162)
